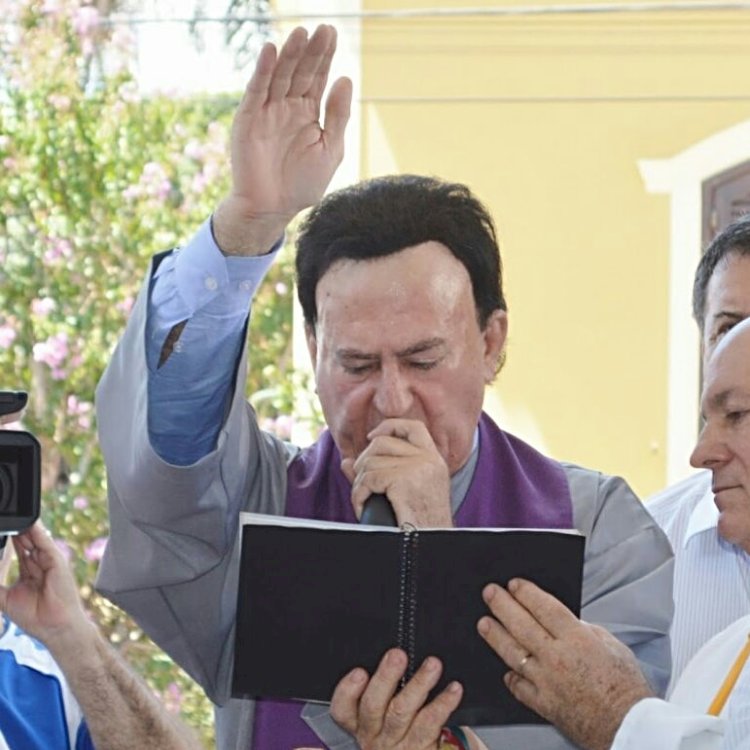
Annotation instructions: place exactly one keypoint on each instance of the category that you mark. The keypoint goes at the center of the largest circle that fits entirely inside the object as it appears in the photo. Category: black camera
(20, 471)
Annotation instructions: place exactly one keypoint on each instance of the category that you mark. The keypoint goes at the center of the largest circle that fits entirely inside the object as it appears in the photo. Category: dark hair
(384, 215)
(734, 239)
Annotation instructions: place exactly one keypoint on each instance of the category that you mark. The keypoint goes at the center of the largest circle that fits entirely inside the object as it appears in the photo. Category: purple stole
(513, 486)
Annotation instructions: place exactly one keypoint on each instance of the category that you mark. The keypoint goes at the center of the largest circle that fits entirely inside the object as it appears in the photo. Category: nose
(393, 394)
(711, 450)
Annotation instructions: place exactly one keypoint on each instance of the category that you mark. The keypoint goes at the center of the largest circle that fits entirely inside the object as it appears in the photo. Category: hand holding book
(377, 714)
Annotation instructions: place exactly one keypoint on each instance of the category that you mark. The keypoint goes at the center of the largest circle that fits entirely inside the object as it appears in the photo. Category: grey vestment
(172, 557)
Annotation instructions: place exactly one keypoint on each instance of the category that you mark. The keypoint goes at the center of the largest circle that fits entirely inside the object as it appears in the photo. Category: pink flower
(95, 551)
(86, 21)
(57, 249)
(59, 102)
(126, 305)
(43, 307)
(53, 352)
(172, 698)
(80, 503)
(281, 288)
(194, 149)
(7, 336)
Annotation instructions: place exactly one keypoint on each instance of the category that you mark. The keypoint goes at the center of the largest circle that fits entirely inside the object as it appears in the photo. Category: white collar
(703, 517)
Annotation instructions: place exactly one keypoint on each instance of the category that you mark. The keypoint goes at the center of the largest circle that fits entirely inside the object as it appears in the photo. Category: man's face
(727, 300)
(397, 337)
(724, 443)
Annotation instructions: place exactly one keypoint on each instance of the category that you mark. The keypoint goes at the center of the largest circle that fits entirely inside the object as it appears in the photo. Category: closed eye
(424, 364)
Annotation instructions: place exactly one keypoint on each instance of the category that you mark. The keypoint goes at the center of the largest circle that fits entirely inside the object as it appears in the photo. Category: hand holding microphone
(402, 466)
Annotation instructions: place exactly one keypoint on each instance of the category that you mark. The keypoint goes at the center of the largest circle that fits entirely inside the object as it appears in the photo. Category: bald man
(582, 679)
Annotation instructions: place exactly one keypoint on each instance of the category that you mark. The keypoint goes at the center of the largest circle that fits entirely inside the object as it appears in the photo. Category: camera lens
(8, 495)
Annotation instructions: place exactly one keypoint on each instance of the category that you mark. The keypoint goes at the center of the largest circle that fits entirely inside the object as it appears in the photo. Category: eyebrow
(419, 348)
(719, 400)
(737, 317)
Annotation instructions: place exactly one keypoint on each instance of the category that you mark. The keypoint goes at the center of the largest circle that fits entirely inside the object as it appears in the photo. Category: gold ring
(522, 663)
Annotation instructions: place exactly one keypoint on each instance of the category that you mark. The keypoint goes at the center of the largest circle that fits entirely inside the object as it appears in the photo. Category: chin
(730, 533)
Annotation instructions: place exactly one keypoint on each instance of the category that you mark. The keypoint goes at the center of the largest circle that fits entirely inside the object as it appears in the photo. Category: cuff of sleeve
(655, 724)
(204, 274)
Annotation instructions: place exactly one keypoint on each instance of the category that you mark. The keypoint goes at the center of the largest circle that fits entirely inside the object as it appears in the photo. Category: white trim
(681, 177)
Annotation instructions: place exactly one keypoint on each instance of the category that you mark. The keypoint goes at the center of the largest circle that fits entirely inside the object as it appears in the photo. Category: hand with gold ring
(581, 678)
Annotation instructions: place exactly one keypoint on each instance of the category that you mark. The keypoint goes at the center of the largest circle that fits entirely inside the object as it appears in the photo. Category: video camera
(20, 472)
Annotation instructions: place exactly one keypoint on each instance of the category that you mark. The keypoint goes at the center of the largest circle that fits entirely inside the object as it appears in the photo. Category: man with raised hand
(400, 284)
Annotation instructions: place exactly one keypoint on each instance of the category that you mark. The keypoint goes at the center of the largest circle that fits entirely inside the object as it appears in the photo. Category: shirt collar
(703, 517)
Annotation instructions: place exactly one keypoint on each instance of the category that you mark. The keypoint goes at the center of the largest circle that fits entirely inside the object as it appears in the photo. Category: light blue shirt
(212, 292)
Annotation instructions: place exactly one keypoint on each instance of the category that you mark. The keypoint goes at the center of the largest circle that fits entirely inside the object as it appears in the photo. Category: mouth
(723, 488)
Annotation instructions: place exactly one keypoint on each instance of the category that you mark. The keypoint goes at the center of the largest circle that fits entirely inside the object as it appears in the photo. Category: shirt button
(246, 285)
(211, 284)
(178, 346)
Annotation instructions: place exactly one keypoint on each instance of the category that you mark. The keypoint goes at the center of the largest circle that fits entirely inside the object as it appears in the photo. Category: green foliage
(94, 179)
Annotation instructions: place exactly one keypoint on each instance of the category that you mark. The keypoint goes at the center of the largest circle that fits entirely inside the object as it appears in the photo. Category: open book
(317, 599)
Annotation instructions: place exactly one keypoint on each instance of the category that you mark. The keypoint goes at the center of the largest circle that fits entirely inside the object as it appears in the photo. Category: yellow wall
(546, 117)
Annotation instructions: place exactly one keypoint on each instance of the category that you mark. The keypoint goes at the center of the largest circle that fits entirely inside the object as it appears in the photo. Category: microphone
(378, 511)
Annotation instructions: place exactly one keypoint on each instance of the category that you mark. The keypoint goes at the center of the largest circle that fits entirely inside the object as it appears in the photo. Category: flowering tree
(94, 180)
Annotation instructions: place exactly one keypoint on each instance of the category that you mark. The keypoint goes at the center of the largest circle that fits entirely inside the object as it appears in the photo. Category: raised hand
(576, 675)
(282, 158)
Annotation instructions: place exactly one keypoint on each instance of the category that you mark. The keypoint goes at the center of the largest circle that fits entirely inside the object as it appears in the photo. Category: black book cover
(317, 599)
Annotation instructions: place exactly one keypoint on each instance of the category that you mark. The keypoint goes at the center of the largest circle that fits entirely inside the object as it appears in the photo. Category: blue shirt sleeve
(211, 293)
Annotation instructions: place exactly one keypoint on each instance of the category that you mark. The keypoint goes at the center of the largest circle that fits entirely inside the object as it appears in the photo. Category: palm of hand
(286, 152)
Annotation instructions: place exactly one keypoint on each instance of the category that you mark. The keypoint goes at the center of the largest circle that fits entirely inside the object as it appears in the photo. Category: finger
(338, 109)
(502, 643)
(435, 715)
(289, 57)
(345, 700)
(256, 91)
(524, 690)
(388, 446)
(516, 619)
(548, 611)
(44, 549)
(412, 431)
(368, 484)
(380, 691)
(318, 84)
(404, 707)
(311, 61)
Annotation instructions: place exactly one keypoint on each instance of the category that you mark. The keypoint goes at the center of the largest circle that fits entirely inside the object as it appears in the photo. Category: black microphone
(378, 511)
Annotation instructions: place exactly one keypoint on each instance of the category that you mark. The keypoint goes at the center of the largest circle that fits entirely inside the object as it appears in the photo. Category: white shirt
(712, 577)
(683, 724)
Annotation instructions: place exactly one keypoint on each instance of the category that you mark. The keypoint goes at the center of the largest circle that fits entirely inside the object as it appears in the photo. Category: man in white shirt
(712, 575)
(581, 679)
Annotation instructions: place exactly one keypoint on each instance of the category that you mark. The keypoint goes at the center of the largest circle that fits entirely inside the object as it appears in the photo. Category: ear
(312, 345)
(495, 333)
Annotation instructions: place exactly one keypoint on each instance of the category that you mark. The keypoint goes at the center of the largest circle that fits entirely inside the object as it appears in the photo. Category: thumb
(347, 467)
